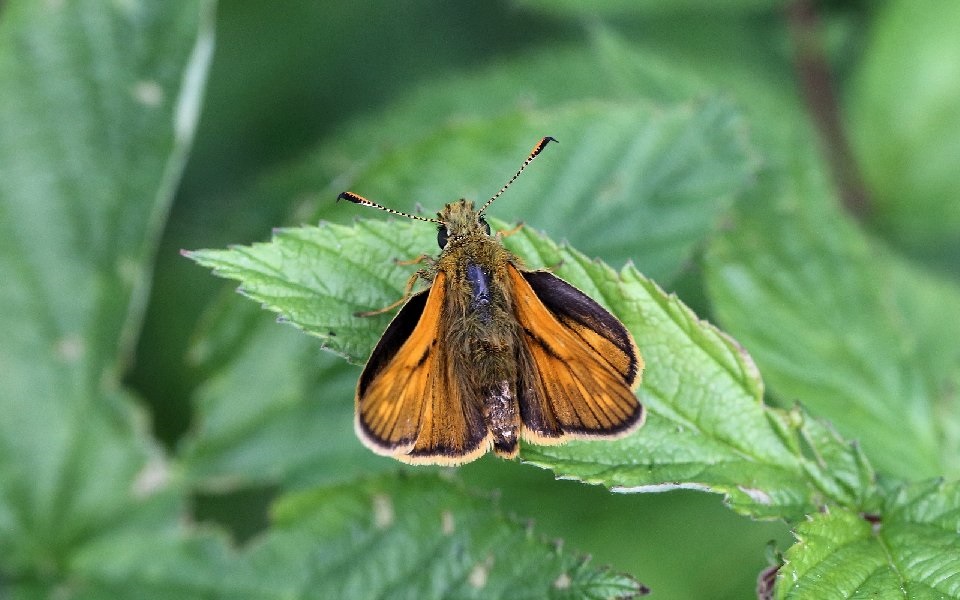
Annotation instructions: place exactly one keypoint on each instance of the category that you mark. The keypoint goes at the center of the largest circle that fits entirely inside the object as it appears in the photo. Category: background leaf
(409, 537)
(255, 415)
(841, 329)
(905, 127)
(91, 147)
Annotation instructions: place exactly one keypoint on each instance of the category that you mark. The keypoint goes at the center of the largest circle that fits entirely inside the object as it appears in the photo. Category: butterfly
(492, 354)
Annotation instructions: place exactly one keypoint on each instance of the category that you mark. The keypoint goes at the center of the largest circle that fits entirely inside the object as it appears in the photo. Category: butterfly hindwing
(408, 403)
(580, 361)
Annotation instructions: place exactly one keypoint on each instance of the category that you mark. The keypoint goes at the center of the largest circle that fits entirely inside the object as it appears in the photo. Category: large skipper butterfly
(492, 353)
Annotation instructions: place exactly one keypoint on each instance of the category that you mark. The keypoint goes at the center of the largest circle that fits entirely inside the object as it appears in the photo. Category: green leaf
(308, 275)
(91, 146)
(707, 426)
(837, 322)
(910, 549)
(395, 536)
(905, 127)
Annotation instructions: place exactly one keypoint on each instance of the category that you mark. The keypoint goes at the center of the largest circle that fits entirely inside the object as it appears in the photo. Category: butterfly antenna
(356, 199)
(533, 154)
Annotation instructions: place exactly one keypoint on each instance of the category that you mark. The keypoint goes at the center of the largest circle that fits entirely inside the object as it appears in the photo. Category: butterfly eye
(486, 225)
(442, 235)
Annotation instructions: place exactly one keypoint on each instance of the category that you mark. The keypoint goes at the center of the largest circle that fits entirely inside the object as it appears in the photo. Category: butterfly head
(460, 220)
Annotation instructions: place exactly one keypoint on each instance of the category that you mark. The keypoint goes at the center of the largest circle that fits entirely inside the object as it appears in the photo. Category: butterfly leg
(406, 295)
(416, 260)
(518, 227)
(511, 231)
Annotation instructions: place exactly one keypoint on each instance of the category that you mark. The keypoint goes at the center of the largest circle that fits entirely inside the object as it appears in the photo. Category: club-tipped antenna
(357, 199)
(533, 154)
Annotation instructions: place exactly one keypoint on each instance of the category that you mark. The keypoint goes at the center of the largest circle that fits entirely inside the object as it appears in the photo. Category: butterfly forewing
(594, 324)
(583, 363)
(408, 405)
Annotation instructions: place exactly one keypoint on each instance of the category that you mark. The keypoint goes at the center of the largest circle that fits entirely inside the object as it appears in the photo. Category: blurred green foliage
(136, 389)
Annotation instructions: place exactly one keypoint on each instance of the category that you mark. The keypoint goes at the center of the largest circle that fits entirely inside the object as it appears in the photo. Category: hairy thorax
(483, 334)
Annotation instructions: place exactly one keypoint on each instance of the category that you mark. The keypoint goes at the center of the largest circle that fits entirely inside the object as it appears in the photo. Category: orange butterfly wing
(579, 364)
(408, 404)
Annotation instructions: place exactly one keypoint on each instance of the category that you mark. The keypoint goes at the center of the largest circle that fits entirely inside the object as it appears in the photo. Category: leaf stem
(816, 84)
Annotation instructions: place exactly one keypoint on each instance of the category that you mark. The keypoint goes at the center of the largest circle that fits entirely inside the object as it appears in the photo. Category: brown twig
(816, 84)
